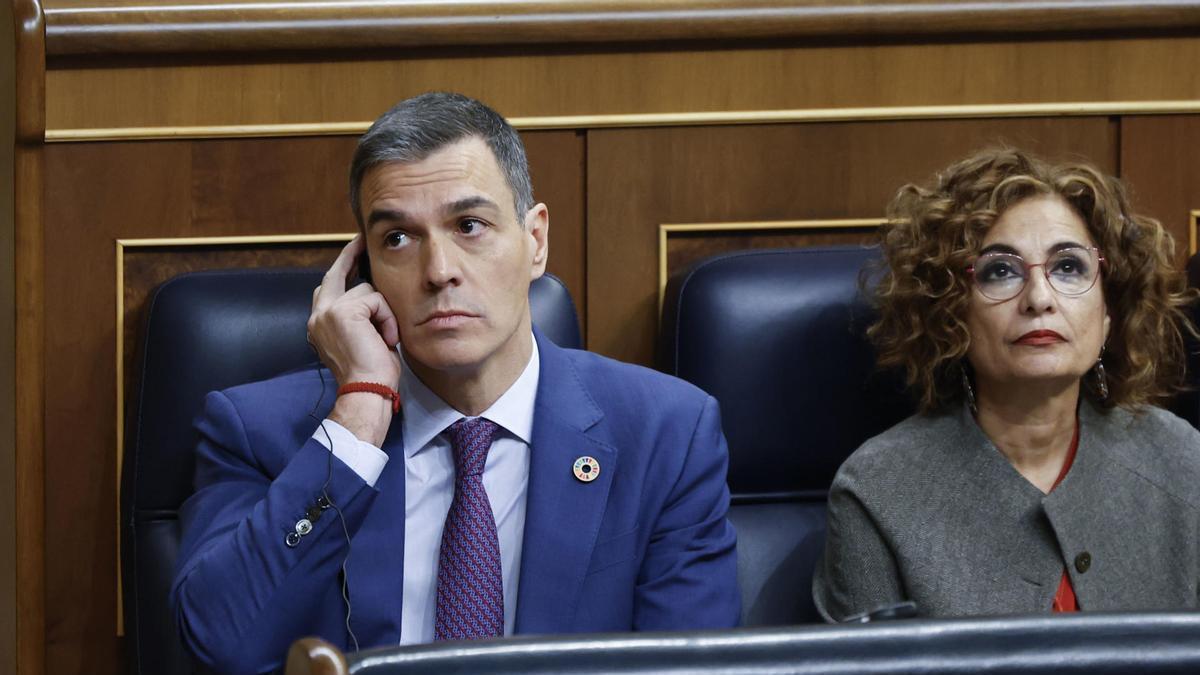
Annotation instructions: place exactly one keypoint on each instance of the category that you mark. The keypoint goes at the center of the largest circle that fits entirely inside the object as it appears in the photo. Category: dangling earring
(1101, 378)
(968, 390)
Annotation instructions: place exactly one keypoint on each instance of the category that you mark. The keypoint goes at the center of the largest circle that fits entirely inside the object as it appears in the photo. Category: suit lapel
(562, 514)
(375, 567)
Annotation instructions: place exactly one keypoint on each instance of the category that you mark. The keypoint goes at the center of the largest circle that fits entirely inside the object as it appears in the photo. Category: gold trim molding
(667, 229)
(676, 119)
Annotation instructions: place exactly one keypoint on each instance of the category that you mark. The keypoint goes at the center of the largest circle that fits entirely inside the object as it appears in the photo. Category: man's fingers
(334, 283)
(384, 319)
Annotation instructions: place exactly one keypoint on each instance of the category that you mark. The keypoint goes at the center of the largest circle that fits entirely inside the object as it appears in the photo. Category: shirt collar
(426, 415)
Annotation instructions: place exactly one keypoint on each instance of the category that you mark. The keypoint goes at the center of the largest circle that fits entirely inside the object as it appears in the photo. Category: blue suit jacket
(645, 546)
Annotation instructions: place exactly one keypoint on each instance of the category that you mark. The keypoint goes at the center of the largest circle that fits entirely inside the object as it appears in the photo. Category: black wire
(329, 500)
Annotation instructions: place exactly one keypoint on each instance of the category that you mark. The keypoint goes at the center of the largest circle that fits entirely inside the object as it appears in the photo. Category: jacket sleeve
(857, 572)
(241, 593)
(688, 578)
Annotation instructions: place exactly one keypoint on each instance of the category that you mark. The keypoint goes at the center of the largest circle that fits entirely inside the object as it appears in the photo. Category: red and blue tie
(470, 589)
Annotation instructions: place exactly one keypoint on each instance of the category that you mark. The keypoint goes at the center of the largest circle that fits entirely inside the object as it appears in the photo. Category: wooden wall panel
(557, 169)
(186, 93)
(1158, 162)
(97, 193)
(8, 347)
(641, 178)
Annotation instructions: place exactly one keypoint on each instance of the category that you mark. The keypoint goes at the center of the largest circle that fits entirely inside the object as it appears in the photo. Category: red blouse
(1064, 598)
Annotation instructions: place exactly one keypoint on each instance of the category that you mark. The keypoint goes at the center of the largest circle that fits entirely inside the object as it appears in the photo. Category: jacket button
(292, 539)
(303, 526)
(1083, 562)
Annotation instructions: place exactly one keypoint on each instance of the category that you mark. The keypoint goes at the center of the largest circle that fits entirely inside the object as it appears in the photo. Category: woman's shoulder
(917, 446)
(1157, 445)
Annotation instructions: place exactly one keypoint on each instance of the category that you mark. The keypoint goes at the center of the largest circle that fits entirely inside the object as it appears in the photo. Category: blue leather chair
(206, 331)
(777, 336)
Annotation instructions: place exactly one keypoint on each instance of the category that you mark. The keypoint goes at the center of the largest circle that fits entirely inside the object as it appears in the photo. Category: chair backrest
(1082, 643)
(777, 337)
(207, 331)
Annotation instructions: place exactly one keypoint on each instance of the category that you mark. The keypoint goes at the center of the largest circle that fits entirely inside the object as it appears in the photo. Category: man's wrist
(365, 414)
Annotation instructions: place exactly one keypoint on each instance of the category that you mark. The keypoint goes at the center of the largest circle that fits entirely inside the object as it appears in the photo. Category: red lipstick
(1039, 337)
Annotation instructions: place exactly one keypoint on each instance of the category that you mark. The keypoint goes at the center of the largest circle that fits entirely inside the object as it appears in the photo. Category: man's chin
(459, 360)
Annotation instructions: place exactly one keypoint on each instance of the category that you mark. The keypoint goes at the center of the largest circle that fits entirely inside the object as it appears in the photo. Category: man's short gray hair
(417, 127)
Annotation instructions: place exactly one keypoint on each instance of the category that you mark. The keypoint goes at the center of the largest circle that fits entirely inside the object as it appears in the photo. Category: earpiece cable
(329, 500)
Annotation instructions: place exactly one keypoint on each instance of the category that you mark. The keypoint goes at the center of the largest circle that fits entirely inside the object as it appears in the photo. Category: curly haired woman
(1038, 321)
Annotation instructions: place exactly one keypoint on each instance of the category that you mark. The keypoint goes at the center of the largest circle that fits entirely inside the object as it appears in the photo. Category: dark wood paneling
(97, 193)
(1159, 163)
(125, 27)
(269, 186)
(641, 178)
(29, 240)
(356, 88)
(557, 169)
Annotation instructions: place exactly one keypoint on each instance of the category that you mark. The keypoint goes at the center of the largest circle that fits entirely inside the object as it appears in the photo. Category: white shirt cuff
(363, 458)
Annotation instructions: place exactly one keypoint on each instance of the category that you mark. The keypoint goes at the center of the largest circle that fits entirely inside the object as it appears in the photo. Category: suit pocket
(614, 551)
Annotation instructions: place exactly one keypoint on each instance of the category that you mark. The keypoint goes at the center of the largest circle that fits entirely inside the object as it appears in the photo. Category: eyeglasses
(1002, 276)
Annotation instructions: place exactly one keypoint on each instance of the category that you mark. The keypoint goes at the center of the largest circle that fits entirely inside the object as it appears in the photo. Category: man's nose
(440, 263)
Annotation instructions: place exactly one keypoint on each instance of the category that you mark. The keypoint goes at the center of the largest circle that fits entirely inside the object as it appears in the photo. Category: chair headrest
(206, 331)
(777, 337)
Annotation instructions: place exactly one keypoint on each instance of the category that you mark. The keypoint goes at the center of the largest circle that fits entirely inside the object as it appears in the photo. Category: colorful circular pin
(586, 469)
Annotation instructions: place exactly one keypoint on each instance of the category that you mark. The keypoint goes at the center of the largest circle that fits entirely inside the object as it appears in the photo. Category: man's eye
(470, 226)
(395, 239)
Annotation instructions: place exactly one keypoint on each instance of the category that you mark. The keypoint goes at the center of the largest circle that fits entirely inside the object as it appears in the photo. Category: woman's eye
(395, 239)
(998, 270)
(1068, 266)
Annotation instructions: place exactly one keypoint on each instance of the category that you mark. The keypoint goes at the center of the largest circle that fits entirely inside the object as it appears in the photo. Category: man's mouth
(450, 318)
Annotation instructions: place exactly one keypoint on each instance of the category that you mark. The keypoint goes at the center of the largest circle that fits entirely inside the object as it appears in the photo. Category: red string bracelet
(372, 388)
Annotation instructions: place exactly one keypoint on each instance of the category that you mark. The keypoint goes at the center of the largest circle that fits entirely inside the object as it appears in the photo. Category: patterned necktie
(470, 589)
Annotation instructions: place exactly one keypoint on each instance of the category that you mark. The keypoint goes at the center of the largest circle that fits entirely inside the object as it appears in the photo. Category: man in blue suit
(452, 473)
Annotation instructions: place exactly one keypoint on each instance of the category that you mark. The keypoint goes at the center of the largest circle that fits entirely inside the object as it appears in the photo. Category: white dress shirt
(429, 486)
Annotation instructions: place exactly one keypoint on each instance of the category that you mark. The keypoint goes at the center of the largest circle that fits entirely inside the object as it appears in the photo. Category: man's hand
(355, 334)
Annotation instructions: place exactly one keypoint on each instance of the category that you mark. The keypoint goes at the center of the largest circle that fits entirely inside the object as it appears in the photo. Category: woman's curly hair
(934, 232)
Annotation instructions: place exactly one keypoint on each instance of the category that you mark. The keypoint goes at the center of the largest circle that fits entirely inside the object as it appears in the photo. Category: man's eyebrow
(391, 216)
(469, 203)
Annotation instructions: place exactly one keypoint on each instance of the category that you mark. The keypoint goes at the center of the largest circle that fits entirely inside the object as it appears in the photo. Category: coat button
(303, 526)
(292, 540)
(1083, 562)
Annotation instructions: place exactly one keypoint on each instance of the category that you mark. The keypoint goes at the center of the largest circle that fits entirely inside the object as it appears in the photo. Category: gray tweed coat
(930, 511)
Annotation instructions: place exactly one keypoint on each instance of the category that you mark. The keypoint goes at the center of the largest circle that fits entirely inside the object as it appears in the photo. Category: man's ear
(537, 227)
